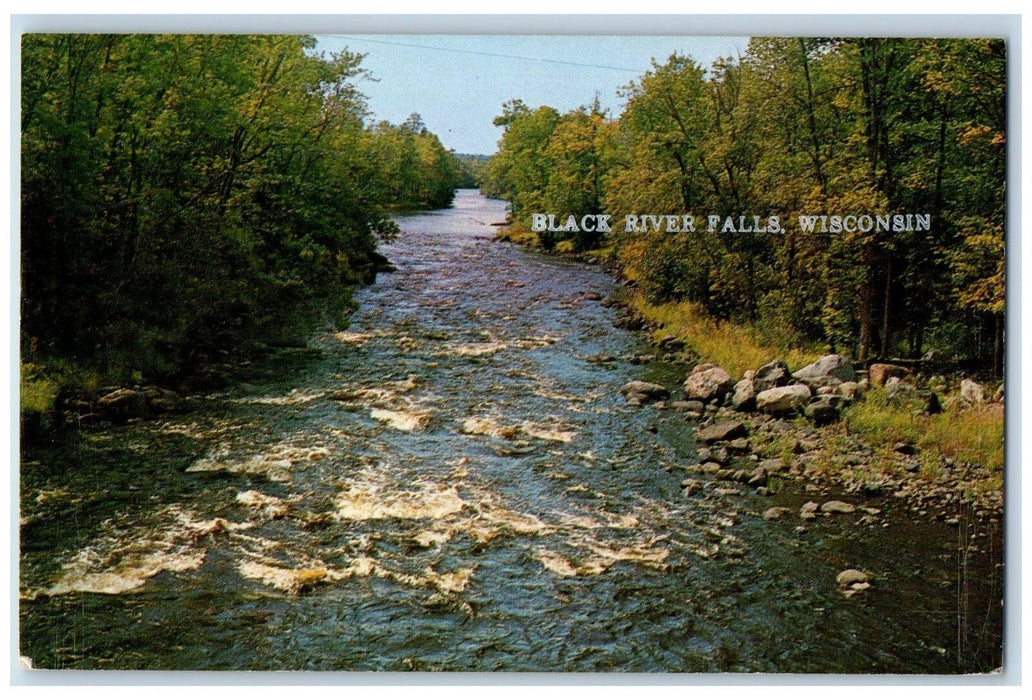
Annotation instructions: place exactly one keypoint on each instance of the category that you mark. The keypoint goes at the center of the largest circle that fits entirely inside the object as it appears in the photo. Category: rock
(879, 373)
(689, 406)
(971, 391)
(808, 511)
(758, 477)
(904, 448)
(738, 445)
(744, 396)
(123, 404)
(847, 578)
(643, 392)
(830, 369)
(727, 430)
(784, 399)
(710, 468)
(850, 390)
(933, 406)
(708, 382)
(899, 391)
(822, 412)
(771, 375)
(837, 507)
(630, 320)
(691, 487)
(719, 455)
(773, 466)
(725, 475)
(670, 343)
(704, 454)
(592, 296)
(775, 513)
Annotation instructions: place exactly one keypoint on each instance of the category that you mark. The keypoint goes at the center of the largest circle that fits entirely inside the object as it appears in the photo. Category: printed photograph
(512, 353)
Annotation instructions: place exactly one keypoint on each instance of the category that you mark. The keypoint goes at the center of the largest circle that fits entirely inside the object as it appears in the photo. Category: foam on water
(408, 421)
(369, 502)
(124, 560)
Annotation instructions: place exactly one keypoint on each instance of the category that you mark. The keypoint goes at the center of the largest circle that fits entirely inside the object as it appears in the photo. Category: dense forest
(796, 126)
(190, 196)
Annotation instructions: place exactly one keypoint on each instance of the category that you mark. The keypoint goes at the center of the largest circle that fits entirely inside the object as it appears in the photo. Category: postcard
(484, 352)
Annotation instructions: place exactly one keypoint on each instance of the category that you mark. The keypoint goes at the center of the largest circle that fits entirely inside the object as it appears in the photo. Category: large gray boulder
(708, 382)
(744, 396)
(971, 391)
(783, 399)
(830, 369)
(123, 404)
(772, 374)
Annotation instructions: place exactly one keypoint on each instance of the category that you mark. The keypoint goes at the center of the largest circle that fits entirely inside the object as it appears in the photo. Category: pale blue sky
(458, 83)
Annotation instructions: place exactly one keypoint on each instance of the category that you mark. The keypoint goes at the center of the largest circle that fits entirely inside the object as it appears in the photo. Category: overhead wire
(636, 71)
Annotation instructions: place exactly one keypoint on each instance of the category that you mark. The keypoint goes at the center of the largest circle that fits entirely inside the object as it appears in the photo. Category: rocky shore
(774, 426)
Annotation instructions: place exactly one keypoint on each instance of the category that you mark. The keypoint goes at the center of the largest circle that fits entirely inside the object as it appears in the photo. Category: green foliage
(412, 168)
(190, 195)
(472, 169)
(552, 163)
(798, 126)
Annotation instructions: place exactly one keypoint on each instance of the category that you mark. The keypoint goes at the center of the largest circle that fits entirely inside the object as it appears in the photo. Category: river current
(451, 484)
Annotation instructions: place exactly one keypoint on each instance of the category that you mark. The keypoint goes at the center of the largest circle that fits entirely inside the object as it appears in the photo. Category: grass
(964, 434)
(514, 233)
(37, 394)
(734, 347)
(41, 383)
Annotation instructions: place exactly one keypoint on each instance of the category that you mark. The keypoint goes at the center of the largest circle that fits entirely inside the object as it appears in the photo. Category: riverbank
(935, 442)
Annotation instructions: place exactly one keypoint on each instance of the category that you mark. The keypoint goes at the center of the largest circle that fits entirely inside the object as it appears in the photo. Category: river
(451, 485)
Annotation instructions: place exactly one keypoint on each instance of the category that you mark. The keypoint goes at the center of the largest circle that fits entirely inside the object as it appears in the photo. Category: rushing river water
(451, 485)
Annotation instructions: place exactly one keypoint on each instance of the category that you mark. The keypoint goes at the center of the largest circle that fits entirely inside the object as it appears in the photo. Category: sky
(458, 83)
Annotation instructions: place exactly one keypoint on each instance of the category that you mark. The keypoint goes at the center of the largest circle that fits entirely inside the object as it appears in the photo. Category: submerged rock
(638, 392)
(837, 507)
(849, 577)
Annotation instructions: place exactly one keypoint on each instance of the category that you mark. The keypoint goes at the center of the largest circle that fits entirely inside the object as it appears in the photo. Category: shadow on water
(452, 484)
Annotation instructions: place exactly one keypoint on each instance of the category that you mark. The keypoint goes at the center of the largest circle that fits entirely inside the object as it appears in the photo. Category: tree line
(185, 196)
(796, 126)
